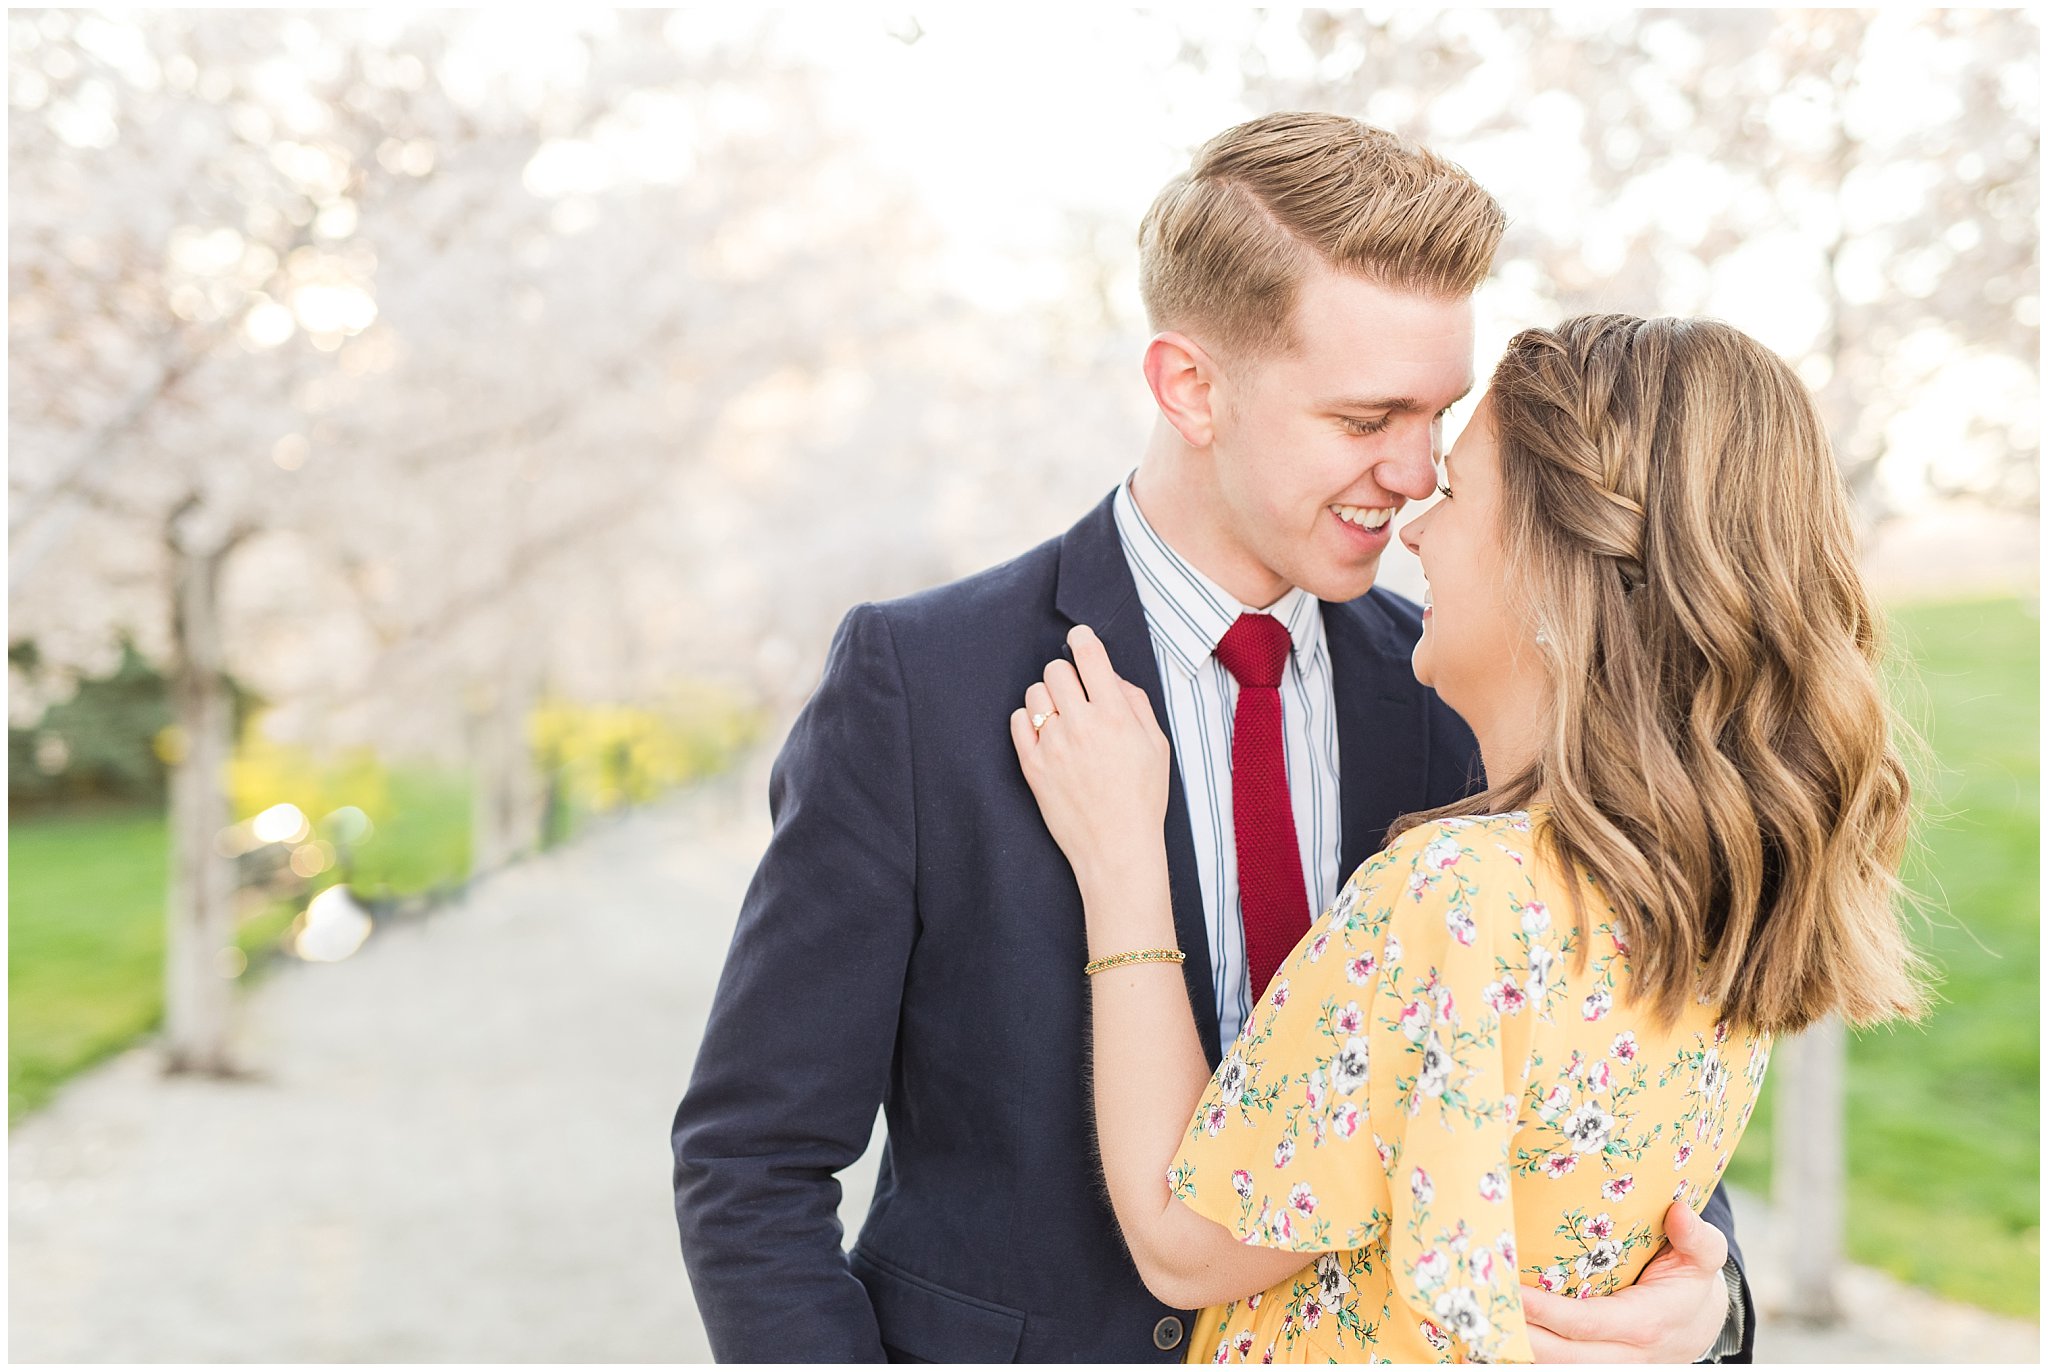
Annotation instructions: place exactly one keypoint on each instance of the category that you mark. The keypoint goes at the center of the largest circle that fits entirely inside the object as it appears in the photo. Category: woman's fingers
(1091, 660)
(1141, 704)
(1021, 733)
(1064, 685)
(1037, 699)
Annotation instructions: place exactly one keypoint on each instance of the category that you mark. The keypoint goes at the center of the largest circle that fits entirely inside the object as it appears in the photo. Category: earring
(1541, 637)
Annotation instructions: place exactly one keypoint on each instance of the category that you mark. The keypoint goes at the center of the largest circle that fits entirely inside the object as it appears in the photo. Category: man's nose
(1410, 469)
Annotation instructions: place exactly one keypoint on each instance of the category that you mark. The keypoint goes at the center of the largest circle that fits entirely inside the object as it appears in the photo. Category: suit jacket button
(1167, 1333)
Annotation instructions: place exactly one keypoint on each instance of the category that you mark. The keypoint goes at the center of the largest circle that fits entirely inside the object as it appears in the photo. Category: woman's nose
(1411, 533)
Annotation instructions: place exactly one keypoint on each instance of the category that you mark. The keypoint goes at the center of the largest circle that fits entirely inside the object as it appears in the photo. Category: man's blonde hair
(1223, 249)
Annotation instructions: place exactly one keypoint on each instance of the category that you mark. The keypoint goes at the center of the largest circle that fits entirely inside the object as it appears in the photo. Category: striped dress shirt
(1188, 615)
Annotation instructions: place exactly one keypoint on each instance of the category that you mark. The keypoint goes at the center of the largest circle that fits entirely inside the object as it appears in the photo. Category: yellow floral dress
(1431, 1102)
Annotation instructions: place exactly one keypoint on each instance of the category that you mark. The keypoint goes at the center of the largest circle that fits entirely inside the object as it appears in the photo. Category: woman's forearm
(1150, 1075)
(1150, 1070)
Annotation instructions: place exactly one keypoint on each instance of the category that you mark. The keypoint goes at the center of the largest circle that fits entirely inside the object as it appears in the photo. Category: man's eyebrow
(1392, 402)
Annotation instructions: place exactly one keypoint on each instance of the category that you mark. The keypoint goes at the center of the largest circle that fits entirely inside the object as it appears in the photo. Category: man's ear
(1183, 377)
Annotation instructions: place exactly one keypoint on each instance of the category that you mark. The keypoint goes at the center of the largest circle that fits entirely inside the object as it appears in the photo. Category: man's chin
(1340, 586)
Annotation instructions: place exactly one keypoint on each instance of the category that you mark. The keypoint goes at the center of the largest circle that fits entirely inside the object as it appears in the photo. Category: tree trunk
(198, 992)
(1809, 1169)
(506, 797)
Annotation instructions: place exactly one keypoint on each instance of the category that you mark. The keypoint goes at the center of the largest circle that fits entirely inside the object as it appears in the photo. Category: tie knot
(1255, 650)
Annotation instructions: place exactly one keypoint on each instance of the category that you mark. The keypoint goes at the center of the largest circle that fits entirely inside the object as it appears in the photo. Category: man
(913, 938)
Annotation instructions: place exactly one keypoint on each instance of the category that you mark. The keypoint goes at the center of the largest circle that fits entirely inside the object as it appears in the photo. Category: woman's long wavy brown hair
(1721, 759)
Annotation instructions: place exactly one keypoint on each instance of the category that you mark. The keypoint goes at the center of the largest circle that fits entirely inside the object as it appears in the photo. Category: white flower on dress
(1542, 962)
(1493, 1185)
(1614, 1188)
(1713, 1083)
(1535, 917)
(1393, 949)
(1432, 1267)
(1414, 1020)
(1624, 1046)
(1318, 948)
(1301, 1199)
(1435, 1337)
(1600, 1076)
(1279, 993)
(1555, 1103)
(1597, 1004)
(1218, 1117)
(1345, 1118)
(1552, 1278)
(1283, 1151)
(1442, 855)
(1420, 1187)
(1506, 1244)
(1331, 1283)
(1457, 1307)
(1350, 1019)
(1348, 1069)
(1230, 1078)
(1460, 923)
(1436, 1067)
(1241, 1182)
(1601, 1258)
(1588, 1128)
(1312, 1088)
(1504, 996)
(1446, 1003)
(1244, 1343)
(1360, 969)
(1601, 1226)
(1560, 1164)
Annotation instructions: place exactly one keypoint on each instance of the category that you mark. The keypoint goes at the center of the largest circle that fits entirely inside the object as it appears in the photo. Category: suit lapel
(1096, 589)
(1382, 732)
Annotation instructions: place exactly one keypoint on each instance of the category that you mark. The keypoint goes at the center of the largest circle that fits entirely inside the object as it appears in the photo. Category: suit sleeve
(796, 1057)
(1738, 1332)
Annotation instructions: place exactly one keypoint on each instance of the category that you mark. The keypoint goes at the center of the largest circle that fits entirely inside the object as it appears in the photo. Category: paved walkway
(457, 1147)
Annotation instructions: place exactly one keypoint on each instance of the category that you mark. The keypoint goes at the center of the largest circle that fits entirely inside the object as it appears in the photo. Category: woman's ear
(1182, 377)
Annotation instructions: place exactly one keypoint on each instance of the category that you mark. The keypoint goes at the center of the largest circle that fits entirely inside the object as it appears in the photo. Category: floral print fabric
(1435, 1101)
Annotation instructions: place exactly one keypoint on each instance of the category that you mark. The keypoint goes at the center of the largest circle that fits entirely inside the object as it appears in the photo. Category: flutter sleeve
(1370, 1098)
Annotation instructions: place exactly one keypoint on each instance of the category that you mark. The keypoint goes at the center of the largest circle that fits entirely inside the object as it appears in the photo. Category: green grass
(424, 842)
(1943, 1117)
(85, 943)
(85, 936)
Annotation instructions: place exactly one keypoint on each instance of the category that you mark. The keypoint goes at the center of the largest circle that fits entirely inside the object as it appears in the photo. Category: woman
(1536, 1018)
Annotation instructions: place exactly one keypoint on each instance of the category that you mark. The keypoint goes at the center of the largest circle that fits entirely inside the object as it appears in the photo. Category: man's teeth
(1364, 518)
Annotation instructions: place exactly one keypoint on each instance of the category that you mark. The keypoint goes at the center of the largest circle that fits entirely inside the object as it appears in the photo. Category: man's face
(1317, 449)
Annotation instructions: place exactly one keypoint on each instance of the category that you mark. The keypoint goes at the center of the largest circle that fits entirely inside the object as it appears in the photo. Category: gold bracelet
(1141, 955)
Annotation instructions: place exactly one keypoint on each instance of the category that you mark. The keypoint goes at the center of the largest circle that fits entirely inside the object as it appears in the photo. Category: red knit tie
(1269, 885)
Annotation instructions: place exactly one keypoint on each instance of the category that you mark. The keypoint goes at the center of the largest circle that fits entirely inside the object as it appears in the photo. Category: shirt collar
(1188, 612)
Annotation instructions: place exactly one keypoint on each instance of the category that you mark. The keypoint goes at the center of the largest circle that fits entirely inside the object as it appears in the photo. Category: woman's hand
(1099, 764)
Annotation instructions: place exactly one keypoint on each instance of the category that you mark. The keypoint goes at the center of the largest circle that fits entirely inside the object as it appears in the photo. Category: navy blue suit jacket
(913, 940)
